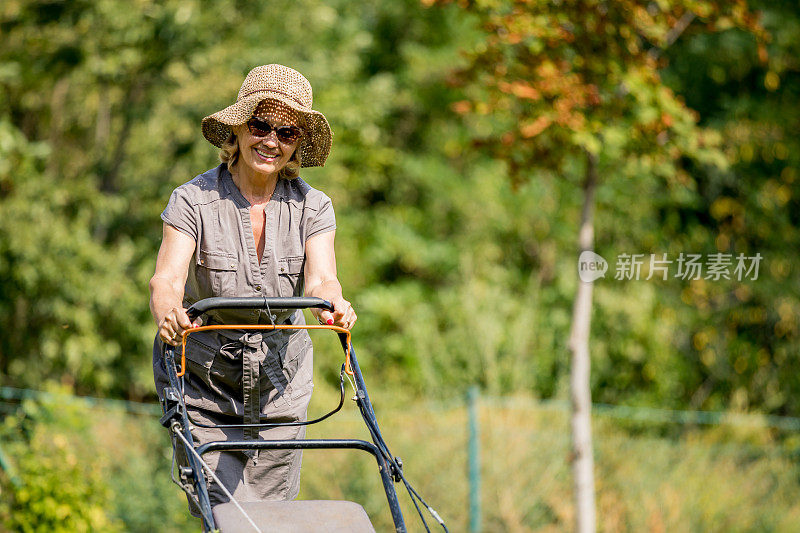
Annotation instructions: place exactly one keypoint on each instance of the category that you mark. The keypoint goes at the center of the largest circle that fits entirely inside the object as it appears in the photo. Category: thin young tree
(573, 90)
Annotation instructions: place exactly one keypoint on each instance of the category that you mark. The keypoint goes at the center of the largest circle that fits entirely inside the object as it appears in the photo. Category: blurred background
(464, 132)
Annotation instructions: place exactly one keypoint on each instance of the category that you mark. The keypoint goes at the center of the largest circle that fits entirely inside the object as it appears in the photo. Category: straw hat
(285, 85)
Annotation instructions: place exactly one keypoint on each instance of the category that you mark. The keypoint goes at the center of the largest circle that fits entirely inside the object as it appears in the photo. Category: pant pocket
(199, 357)
(298, 350)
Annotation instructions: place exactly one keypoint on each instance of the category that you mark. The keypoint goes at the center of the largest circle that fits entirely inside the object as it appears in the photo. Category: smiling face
(267, 155)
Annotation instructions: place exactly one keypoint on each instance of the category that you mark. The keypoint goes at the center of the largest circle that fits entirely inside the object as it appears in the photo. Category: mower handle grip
(258, 302)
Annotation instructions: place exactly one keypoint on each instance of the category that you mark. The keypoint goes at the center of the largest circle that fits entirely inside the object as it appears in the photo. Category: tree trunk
(111, 166)
(581, 394)
(58, 100)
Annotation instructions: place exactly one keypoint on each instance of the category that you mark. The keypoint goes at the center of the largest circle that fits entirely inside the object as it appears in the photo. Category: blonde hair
(229, 154)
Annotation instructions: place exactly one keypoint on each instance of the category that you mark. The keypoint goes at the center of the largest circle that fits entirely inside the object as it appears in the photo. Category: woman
(251, 227)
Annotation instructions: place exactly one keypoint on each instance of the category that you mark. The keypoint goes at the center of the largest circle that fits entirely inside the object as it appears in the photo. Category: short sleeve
(324, 220)
(180, 214)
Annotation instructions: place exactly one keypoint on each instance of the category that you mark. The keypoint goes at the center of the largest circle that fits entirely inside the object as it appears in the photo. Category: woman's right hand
(174, 323)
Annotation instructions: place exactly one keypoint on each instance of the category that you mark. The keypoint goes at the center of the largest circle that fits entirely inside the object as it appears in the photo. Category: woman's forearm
(327, 290)
(168, 281)
(322, 281)
(163, 298)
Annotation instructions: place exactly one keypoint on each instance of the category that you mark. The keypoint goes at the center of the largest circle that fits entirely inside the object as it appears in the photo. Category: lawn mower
(278, 516)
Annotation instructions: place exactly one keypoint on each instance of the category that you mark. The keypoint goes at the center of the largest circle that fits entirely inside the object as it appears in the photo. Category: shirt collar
(280, 193)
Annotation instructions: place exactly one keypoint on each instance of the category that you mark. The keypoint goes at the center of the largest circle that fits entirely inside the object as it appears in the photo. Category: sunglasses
(286, 134)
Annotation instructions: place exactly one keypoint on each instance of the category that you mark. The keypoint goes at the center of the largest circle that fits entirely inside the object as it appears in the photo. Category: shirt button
(282, 269)
(258, 287)
(233, 265)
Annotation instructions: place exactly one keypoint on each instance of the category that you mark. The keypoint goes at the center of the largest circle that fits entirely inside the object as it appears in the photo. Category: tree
(580, 80)
(78, 200)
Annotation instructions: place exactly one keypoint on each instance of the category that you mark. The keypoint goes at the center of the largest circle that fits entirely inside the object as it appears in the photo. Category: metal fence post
(474, 462)
(9, 469)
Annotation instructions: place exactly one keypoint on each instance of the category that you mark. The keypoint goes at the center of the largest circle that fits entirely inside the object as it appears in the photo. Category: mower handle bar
(209, 304)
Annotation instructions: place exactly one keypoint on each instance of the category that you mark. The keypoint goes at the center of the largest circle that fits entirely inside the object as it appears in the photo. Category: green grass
(693, 479)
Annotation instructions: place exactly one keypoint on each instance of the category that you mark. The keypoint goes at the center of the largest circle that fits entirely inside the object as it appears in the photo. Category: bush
(81, 468)
(57, 488)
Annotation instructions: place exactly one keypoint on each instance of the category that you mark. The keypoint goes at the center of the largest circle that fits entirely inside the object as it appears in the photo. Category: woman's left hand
(343, 314)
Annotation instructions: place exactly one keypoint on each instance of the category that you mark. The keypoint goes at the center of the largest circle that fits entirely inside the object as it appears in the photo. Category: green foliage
(87, 469)
(101, 469)
(60, 488)
(744, 337)
(459, 275)
(549, 81)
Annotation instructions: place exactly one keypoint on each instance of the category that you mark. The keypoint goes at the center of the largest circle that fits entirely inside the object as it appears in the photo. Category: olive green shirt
(214, 213)
(240, 372)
